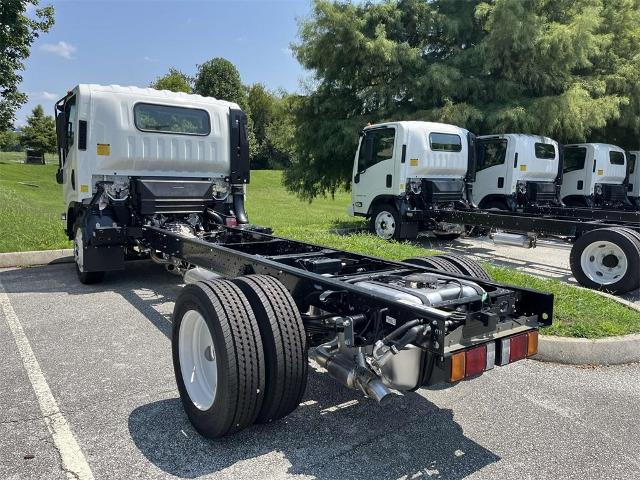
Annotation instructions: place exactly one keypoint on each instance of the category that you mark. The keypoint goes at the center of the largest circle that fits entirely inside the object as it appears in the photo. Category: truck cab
(594, 175)
(399, 163)
(516, 170)
(130, 157)
(633, 182)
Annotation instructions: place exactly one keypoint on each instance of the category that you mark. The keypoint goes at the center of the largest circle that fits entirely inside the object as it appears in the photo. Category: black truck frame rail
(627, 217)
(321, 277)
(542, 222)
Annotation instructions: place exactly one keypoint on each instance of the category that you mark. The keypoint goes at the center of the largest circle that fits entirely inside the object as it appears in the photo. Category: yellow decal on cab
(600, 173)
(523, 168)
(84, 188)
(413, 162)
(103, 149)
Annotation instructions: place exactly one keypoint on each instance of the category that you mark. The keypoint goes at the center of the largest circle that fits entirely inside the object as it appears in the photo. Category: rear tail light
(231, 222)
(458, 365)
(532, 343)
(484, 357)
(476, 361)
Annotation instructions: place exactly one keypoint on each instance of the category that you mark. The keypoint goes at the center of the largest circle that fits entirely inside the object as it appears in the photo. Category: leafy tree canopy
(175, 81)
(40, 132)
(569, 69)
(220, 78)
(17, 33)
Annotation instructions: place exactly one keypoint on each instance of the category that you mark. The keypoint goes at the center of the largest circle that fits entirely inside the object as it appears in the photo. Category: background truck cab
(516, 170)
(594, 176)
(633, 183)
(411, 156)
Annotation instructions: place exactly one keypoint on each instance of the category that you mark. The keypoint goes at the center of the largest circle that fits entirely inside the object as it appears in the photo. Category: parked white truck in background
(515, 170)
(412, 176)
(594, 176)
(430, 159)
(633, 187)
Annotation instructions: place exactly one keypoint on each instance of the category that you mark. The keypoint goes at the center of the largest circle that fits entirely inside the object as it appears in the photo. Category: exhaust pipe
(345, 371)
(238, 204)
(516, 240)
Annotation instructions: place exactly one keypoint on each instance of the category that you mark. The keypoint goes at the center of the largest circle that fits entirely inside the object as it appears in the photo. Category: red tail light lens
(518, 348)
(231, 222)
(476, 361)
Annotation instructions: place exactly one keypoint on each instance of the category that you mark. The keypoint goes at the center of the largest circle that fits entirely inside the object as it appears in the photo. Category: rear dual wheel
(239, 353)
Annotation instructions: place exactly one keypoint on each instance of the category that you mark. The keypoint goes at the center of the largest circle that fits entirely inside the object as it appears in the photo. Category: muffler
(350, 374)
(513, 239)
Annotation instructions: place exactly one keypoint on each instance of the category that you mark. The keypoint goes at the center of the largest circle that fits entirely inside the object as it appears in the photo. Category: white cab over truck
(594, 175)
(516, 170)
(633, 182)
(131, 157)
(394, 159)
(420, 176)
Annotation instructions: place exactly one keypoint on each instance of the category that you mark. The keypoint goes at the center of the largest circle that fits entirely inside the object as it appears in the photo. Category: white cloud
(147, 58)
(62, 48)
(44, 96)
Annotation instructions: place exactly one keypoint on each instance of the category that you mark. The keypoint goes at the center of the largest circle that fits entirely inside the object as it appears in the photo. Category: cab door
(492, 172)
(374, 168)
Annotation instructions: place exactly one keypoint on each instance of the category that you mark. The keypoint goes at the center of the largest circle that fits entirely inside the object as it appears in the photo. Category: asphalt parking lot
(87, 390)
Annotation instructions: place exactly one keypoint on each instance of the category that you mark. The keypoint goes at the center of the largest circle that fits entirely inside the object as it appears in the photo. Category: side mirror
(61, 130)
(356, 179)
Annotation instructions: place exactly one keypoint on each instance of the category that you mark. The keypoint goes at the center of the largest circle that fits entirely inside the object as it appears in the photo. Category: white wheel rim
(385, 225)
(78, 250)
(198, 363)
(604, 262)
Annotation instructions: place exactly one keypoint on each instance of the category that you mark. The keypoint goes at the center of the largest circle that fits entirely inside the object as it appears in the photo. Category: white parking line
(73, 460)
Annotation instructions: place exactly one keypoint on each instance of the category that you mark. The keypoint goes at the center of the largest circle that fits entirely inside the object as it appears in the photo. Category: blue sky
(133, 42)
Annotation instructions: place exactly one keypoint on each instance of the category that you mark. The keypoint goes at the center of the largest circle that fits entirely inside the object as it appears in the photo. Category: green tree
(10, 141)
(220, 78)
(262, 104)
(175, 81)
(17, 33)
(40, 132)
(568, 69)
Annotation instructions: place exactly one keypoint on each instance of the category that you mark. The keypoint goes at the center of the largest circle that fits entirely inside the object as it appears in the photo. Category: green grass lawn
(29, 220)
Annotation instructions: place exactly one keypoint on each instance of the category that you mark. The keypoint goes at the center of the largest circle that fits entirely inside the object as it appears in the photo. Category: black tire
(468, 266)
(446, 235)
(393, 212)
(89, 278)
(86, 278)
(284, 344)
(630, 231)
(439, 264)
(627, 243)
(239, 357)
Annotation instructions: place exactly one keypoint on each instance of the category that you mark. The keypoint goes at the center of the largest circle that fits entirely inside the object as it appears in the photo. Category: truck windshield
(445, 142)
(171, 119)
(545, 150)
(616, 158)
(574, 158)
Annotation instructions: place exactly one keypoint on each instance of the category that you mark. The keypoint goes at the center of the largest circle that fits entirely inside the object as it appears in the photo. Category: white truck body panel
(597, 169)
(117, 148)
(420, 161)
(502, 179)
